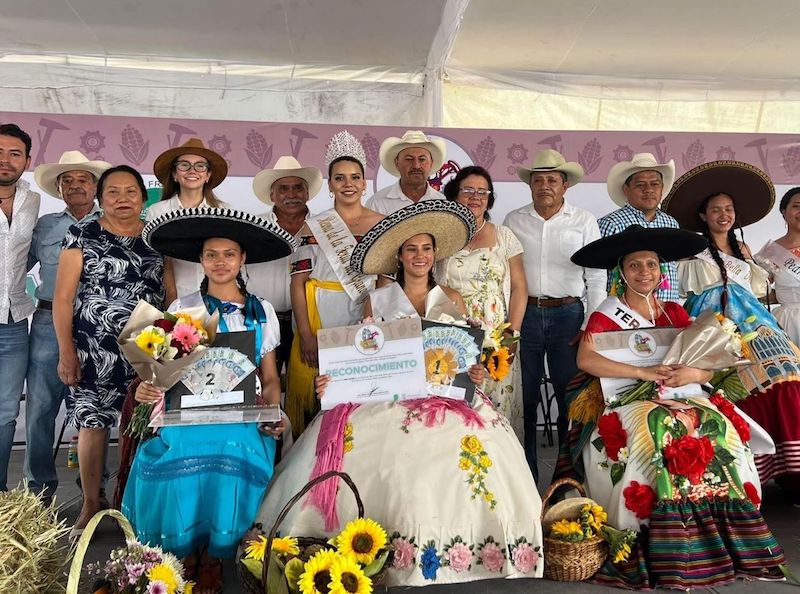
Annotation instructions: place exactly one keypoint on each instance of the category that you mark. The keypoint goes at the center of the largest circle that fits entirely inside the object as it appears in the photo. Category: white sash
(782, 259)
(391, 303)
(624, 316)
(738, 270)
(337, 243)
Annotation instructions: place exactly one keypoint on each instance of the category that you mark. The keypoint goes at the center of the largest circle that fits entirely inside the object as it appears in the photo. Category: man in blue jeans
(73, 179)
(550, 231)
(19, 209)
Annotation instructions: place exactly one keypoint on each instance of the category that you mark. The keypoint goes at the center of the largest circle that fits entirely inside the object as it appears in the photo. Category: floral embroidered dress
(774, 379)
(679, 472)
(483, 278)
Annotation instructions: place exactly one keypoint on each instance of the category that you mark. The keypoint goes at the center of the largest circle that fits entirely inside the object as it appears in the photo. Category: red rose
(752, 493)
(689, 456)
(726, 407)
(165, 325)
(640, 499)
(612, 433)
(742, 427)
(177, 344)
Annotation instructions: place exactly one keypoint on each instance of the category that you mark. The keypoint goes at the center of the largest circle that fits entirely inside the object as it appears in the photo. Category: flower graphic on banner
(623, 153)
(221, 145)
(591, 156)
(483, 154)
(371, 148)
(694, 155)
(134, 147)
(791, 161)
(725, 153)
(258, 150)
(92, 142)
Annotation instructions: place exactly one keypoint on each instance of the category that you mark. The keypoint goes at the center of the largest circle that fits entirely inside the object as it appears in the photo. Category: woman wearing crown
(325, 291)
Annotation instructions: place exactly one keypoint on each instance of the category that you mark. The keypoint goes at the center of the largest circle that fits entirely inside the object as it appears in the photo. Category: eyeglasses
(199, 167)
(480, 193)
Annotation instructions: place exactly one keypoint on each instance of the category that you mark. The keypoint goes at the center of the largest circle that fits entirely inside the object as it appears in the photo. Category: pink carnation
(187, 335)
(524, 557)
(403, 553)
(459, 556)
(157, 587)
(492, 557)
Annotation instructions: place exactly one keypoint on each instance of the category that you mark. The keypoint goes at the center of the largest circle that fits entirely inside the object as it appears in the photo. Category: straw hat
(640, 162)
(451, 225)
(551, 160)
(286, 166)
(46, 175)
(669, 244)
(162, 167)
(750, 188)
(392, 146)
(180, 234)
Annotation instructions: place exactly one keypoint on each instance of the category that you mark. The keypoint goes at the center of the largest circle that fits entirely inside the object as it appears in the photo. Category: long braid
(714, 250)
(204, 286)
(735, 247)
(242, 285)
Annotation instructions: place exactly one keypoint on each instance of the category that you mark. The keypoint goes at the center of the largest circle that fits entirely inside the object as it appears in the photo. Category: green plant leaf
(276, 582)
(294, 568)
(617, 470)
(253, 566)
(598, 444)
(377, 564)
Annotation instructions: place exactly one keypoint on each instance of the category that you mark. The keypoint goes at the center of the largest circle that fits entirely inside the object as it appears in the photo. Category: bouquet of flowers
(160, 346)
(496, 352)
(591, 523)
(140, 569)
(347, 563)
(711, 341)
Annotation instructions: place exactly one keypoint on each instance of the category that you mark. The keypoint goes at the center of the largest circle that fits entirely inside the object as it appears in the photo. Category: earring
(330, 194)
(364, 192)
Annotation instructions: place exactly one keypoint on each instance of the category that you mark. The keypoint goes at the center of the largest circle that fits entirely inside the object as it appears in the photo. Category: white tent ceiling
(714, 64)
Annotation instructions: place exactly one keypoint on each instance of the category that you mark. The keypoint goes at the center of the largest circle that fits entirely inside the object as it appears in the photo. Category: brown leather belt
(551, 301)
(45, 304)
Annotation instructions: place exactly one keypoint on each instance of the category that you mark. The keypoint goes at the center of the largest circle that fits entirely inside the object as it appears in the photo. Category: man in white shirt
(20, 209)
(286, 189)
(412, 158)
(561, 294)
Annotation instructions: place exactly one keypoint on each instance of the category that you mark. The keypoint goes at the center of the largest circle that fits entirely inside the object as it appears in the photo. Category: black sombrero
(180, 234)
(669, 244)
(451, 225)
(750, 188)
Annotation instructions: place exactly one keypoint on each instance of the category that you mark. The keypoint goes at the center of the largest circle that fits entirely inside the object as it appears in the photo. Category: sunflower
(440, 366)
(286, 545)
(568, 530)
(165, 574)
(347, 577)
(316, 576)
(361, 539)
(150, 340)
(497, 364)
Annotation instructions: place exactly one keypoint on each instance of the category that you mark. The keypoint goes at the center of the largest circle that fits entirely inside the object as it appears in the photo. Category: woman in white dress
(188, 174)
(446, 479)
(489, 275)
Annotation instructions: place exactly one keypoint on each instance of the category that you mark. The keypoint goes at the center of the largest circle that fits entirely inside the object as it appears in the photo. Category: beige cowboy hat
(449, 223)
(286, 166)
(640, 162)
(392, 146)
(551, 160)
(162, 167)
(46, 175)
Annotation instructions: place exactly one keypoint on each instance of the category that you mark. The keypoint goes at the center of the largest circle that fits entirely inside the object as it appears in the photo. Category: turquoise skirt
(198, 485)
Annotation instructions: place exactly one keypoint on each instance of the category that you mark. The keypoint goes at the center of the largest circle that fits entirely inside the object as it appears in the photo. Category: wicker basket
(571, 561)
(250, 584)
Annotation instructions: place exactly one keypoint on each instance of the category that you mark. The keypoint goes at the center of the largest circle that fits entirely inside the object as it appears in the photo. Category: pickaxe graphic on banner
(552, 141)
(44, 139)
(301, 135)
(658, 146)
(763, 153)
(180, 131)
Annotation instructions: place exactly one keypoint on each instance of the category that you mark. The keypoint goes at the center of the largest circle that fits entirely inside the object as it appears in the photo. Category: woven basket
(571, 561)
(250, 584)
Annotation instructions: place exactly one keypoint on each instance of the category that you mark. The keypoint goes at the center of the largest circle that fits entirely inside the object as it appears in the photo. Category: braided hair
(714, 249)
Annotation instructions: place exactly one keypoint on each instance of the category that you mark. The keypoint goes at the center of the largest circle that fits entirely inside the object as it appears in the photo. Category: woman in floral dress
(448, 480)
(489, 275)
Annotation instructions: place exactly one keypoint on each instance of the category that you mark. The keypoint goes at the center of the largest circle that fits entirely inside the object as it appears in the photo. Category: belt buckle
(540, 300)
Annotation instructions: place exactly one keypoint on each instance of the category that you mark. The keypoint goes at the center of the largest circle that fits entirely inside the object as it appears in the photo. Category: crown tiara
(344, 144)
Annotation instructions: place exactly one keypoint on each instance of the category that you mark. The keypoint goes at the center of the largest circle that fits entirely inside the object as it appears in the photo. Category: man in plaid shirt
(638, 186)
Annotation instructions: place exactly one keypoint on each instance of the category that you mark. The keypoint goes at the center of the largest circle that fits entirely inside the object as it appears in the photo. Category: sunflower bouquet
(496, 352)
(346, 564)
(140, 569)
(160, 346)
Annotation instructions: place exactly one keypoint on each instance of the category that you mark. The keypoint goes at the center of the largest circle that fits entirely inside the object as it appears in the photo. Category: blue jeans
(43, 399)
(14, 357)
(547, 331)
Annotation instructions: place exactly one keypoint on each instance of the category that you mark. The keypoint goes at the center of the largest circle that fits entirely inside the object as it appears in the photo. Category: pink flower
(157, 587)
(459, 557)
(403, 553)
(187, 335)
(492, 557)
(524, 557)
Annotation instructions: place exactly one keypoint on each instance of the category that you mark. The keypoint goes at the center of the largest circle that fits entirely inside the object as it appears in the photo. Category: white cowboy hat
(640, 162)
(551, 160)
(286, 166)
(392, 146)
(46, 175)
